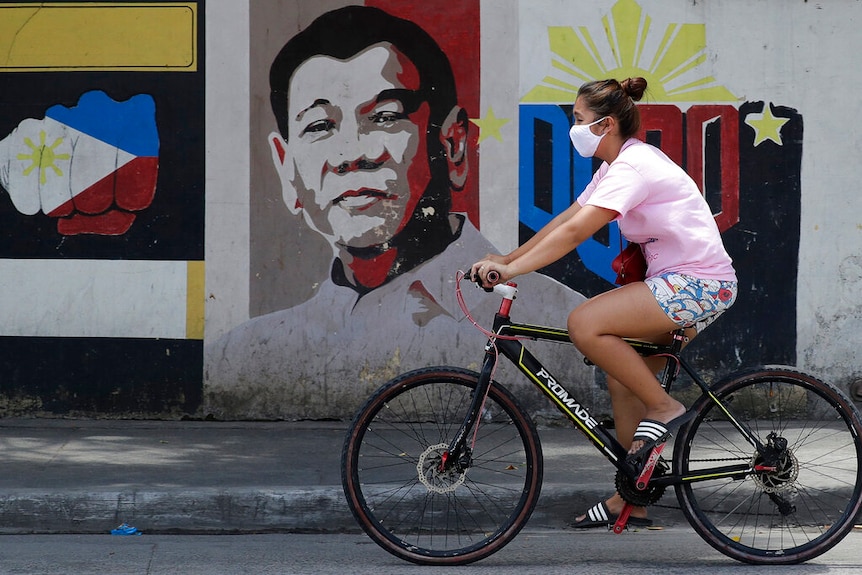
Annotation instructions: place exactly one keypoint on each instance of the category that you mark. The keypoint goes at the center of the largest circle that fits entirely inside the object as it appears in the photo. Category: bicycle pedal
(649, 467)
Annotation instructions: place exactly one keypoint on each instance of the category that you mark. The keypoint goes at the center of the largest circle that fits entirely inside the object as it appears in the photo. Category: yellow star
(766, 126)
(490, 125)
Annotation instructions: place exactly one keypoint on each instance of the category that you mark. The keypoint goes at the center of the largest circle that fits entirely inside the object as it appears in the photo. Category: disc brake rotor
(784, 476)
(430, 474)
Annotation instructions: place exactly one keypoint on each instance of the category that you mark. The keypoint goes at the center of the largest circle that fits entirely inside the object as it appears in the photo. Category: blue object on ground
(125, 529)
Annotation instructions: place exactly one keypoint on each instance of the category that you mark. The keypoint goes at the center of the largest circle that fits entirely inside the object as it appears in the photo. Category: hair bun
(634, 87)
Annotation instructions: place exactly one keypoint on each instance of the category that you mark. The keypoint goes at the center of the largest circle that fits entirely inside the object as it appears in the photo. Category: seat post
(671, 367)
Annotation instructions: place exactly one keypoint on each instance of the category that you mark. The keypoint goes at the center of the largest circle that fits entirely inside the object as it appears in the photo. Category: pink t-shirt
(660, 208)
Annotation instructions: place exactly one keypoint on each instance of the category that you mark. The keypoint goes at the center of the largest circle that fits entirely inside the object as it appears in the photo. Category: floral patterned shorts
(692, 302)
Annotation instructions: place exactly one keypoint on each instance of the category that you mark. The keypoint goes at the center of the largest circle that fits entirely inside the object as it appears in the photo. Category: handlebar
(507, 290)
(493, 276)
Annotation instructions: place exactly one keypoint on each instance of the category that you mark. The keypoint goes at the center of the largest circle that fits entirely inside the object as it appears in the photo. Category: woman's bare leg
(628, 411)
(597, 328)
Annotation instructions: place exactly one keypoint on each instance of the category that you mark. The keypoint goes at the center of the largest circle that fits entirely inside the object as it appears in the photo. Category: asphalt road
(546, 552)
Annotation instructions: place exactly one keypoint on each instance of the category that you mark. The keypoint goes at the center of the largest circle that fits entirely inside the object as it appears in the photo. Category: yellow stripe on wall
(195, 300)
(53, 36)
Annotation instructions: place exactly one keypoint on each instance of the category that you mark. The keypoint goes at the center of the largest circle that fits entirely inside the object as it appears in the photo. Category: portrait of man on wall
(370, 163)
(373, 152)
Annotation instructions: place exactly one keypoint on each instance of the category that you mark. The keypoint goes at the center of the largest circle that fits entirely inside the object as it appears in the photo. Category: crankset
(642, 497)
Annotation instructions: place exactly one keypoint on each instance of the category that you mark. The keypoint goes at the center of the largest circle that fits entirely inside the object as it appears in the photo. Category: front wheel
(791, 501)
(419, 510)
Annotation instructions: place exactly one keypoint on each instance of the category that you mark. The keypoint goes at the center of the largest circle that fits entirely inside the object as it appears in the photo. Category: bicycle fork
(458, 452)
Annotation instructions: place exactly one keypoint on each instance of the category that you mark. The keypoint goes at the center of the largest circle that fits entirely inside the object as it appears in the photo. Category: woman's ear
(284, 168)
(453, 136)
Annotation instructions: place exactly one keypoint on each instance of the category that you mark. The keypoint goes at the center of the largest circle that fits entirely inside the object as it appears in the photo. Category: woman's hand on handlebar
(488, 273)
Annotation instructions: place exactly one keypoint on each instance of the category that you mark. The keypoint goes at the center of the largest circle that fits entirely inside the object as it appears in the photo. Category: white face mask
(583, 139)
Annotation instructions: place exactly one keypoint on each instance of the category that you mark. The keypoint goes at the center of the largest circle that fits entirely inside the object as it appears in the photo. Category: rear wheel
(807, 491)
(426, 514)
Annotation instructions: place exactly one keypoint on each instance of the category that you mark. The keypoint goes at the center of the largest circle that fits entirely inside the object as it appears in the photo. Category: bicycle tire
(431, 518)
(808, 503)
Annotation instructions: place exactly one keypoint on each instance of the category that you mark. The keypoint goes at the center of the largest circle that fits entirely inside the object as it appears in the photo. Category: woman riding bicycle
(689, 282)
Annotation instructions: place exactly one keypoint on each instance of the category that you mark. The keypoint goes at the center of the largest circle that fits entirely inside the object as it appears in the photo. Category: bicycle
(442, 466)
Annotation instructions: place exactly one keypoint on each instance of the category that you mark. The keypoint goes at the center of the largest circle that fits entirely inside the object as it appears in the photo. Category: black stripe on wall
(100, 376)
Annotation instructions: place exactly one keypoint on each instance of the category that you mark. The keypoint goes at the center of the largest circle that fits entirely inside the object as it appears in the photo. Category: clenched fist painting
(91, 166)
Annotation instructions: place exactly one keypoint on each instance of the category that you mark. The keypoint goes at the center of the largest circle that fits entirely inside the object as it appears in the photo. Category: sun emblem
(671, 64)
(43, 157)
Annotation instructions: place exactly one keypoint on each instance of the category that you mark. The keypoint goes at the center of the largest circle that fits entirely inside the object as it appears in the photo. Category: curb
(306, 510)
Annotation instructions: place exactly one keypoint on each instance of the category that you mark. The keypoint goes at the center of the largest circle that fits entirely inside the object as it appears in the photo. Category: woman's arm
(546, 229)
(559, 237)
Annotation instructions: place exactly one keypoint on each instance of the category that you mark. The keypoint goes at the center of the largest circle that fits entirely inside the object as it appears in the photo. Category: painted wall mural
(745, 157)
(374, 152)
(93, 165)
(365, 186)
(377, 165)
(101, 207)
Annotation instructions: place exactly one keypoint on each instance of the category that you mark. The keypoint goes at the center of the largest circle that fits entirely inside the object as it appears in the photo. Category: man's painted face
(357, 144)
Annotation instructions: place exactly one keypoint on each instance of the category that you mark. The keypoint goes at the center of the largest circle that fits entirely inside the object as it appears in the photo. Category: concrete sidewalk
(89, 476)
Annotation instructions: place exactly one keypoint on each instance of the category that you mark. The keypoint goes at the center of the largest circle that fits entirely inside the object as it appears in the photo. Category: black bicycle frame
(504, 342)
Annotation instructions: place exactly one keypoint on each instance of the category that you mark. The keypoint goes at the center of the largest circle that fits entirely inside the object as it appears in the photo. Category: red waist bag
(630, 265)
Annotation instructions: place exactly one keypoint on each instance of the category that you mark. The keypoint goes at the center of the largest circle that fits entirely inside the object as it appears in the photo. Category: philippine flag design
(91, 166)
